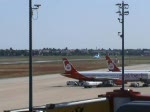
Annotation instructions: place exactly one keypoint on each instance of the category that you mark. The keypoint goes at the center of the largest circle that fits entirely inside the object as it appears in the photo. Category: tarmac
(50, 89)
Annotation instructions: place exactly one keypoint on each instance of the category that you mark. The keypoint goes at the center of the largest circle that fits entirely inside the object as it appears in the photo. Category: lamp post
(30, 54)
(121, 13)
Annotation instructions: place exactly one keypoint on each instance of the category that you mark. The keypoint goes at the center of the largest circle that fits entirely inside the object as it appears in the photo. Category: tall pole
(122, 45)
(30, 57)
(122, 13)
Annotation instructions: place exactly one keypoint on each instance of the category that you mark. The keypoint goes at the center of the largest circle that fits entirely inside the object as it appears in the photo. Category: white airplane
(97, 56)
(71, 72)
(112, 67)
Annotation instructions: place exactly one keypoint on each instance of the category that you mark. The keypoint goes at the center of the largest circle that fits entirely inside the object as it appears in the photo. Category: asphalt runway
(48, 89)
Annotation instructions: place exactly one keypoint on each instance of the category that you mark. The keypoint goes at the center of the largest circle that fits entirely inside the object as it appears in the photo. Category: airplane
(112, 67)
(71, 72)
(97, 56)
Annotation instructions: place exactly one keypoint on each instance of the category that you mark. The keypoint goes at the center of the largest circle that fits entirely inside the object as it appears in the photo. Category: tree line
(67, 52)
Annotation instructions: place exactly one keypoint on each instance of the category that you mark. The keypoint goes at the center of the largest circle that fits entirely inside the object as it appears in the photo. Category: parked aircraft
(97, 56)
(112, 67)
(71, 72)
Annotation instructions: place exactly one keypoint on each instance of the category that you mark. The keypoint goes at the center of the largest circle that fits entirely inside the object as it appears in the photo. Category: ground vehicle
(108, 83)
(75, 83)
(89, 84)
(72, 83)
(134, 84)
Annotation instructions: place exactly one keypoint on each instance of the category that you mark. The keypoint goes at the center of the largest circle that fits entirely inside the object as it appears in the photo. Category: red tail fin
(68, 67)
(71, 72)
(111, 65)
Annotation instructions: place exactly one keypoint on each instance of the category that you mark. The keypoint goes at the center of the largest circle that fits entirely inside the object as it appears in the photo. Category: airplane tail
(69, 69)
(111, 65)
(71, 72)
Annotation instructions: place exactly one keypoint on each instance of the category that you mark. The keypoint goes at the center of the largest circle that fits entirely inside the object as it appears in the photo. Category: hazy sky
(74, 24)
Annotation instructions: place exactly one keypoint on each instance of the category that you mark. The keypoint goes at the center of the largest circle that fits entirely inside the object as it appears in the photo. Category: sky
(76, 24)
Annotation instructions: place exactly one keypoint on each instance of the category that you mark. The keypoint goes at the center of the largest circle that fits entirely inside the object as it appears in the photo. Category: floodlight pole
(122, 45)
(122, 13)
(30, 57)
(30, 54)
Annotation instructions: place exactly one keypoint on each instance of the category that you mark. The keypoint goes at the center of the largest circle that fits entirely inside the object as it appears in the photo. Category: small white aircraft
(97, 56)
(71, 72)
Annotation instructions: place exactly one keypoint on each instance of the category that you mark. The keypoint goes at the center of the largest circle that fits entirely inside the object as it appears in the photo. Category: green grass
(129, 60)
(21, 70)
(39, 58)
